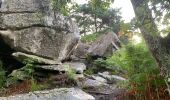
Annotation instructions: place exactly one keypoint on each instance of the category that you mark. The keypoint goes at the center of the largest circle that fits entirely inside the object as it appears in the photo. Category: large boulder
(55, 94)
(105, 45)
(32, 27)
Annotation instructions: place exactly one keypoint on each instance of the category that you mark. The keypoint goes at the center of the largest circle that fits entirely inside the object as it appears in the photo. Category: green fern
(141, 67)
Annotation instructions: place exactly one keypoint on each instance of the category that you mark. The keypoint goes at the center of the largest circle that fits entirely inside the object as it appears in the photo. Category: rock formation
(33, 30)
(32, 27)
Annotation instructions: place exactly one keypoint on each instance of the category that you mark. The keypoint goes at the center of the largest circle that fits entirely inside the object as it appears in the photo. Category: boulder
(90, 83)
(32, 27)
(105, 45)
(55, 94)
(106, 93)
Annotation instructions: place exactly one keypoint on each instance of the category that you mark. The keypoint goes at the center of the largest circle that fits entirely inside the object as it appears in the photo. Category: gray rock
(111, 78)
(23, 56)
(55, 94)
(81, 50)
(106, 93)
(20, 75)
(79, 76)
(100, 79)
(118, 78)
(105, 45)
(77, 66)
(59, 68)
(23, 5)
(32, 27)
(92, 83)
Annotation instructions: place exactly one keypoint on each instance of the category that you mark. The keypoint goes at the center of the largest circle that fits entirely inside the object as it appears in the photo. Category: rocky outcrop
(32, 27)
(103, 86)
(55, 94)
(34, 31)
(104, 46)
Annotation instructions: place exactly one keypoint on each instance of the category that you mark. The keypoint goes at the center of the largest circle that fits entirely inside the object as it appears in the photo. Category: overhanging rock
(32, 27)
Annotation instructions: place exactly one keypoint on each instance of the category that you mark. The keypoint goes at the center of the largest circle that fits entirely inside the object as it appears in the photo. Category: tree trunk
(152, 38)
(95, 22)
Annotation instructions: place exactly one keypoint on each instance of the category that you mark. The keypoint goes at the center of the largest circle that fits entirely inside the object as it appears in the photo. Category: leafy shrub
(141, 67)
(101, 65)
(92, 37)
(70, 72)
(89, 38)
(24, 73)
(61, 6)
(29, 67)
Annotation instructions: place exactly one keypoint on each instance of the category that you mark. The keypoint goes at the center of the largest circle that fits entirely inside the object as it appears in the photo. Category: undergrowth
(142, 71)
(2, 75)
(134, 62)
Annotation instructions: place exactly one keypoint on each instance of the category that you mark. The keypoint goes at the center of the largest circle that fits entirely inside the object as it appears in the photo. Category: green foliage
(140, 65)
(100, 65)
(96, 65)
(70, 72)
(29, 67)
(89, 71)
(24, 73)
(11, 80)
(97, 15)
(61, 6)
(2, 75)
(36, 86)
(89, 38)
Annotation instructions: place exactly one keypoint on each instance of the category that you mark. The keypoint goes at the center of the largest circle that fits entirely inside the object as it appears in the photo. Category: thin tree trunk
(95, 23)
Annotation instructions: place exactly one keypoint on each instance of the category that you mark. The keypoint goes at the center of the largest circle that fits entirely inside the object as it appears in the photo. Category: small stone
(77, 66)
(100, 79)
(111, 78)
(93, 83)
